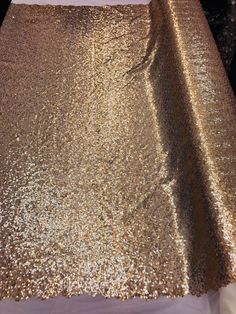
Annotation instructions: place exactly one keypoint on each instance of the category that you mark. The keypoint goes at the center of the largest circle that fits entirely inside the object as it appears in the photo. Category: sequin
(117, 163)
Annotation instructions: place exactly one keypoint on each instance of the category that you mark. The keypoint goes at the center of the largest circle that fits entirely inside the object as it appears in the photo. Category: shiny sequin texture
(117, 152)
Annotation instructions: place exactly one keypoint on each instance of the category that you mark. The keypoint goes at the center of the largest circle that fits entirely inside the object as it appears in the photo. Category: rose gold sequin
(117, 152)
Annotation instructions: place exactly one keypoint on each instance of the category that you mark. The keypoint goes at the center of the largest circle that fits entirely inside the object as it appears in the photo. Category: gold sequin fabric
(117, 152)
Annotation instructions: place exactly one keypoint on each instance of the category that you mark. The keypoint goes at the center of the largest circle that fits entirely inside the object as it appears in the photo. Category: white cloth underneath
(206, 304)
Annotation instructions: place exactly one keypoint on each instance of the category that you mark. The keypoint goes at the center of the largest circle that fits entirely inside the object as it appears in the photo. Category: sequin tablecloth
(117, 152)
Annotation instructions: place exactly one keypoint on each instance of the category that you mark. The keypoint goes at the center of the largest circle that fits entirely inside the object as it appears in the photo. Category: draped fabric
(117, 152)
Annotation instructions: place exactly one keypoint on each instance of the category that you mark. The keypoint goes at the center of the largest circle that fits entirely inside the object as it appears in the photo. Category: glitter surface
(117, 163)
